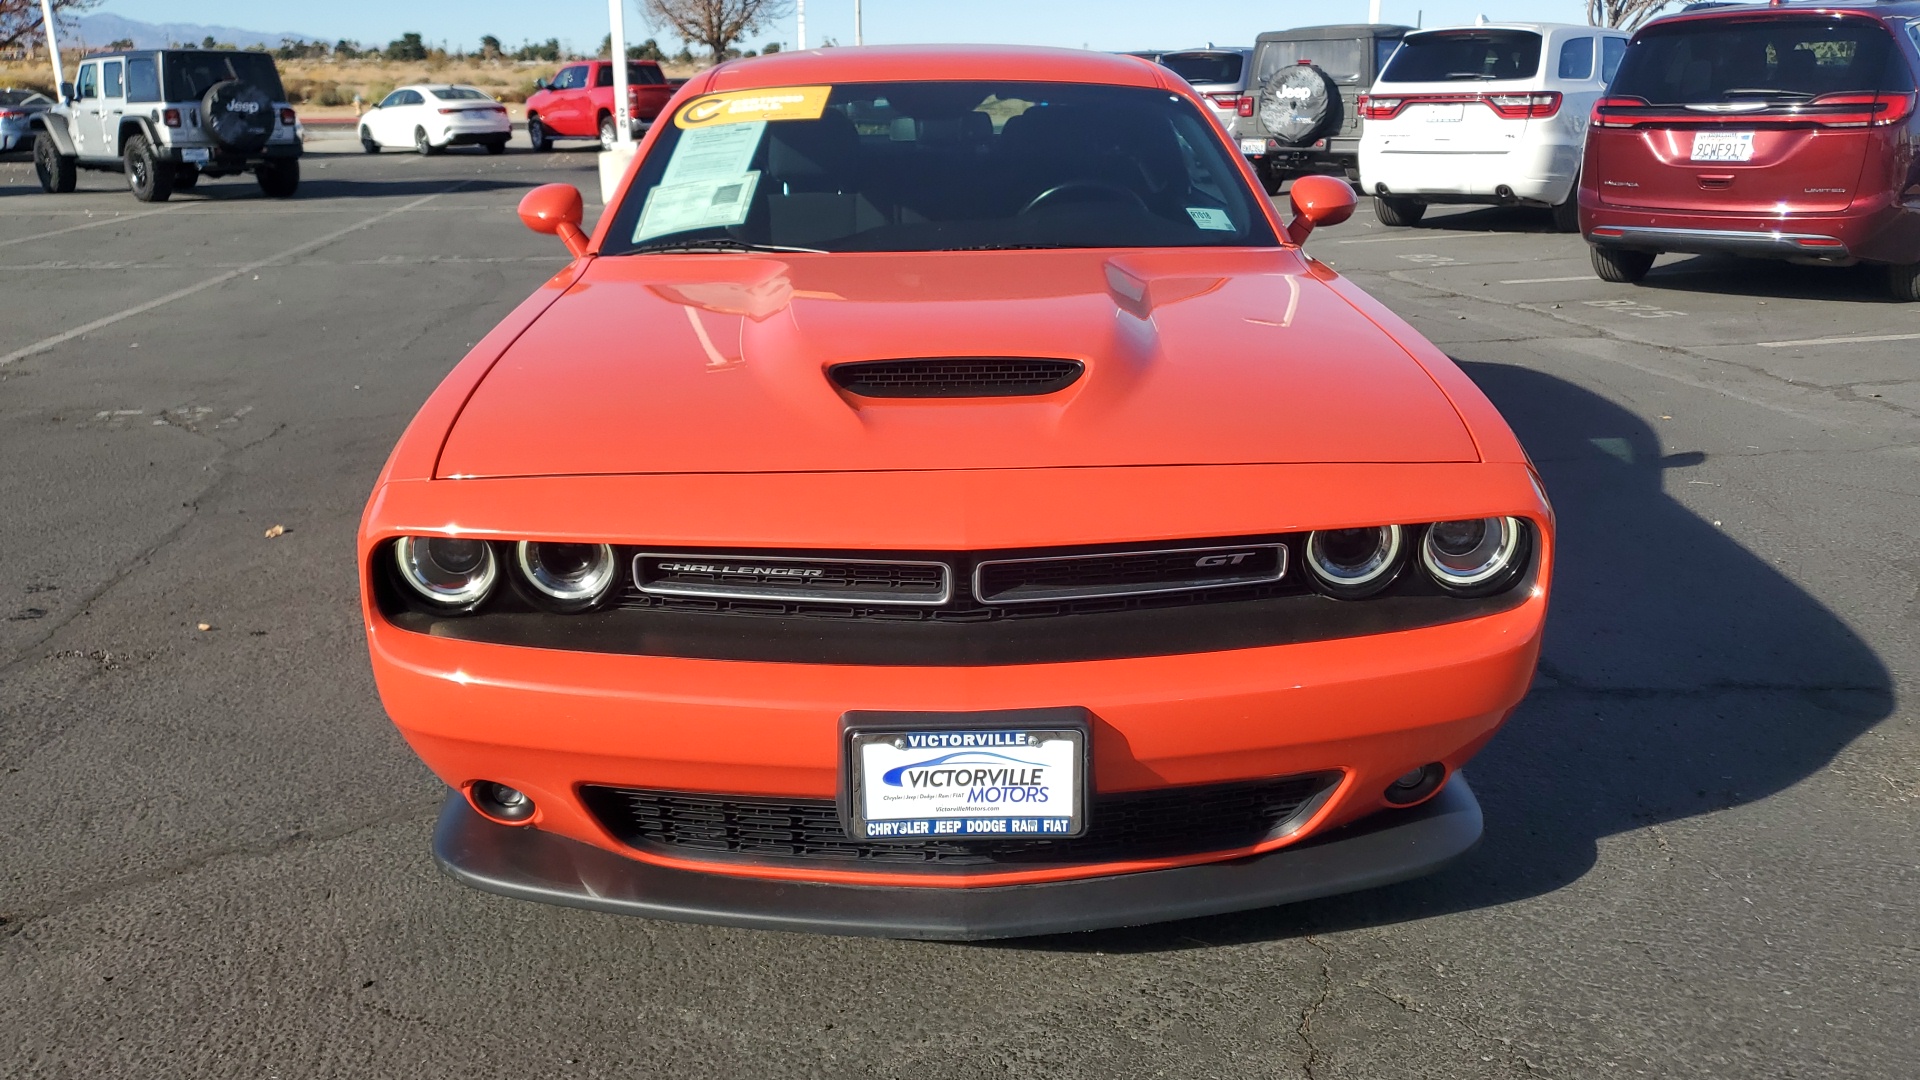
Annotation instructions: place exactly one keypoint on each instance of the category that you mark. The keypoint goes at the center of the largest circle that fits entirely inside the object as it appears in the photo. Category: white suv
(1493, 114)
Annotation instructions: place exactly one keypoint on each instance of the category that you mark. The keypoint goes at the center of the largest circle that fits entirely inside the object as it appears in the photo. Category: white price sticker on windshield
(703, 204)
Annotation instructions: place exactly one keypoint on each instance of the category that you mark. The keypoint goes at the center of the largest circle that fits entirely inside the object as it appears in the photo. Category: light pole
(53, 47)
(1373, 11)
(800, 10)
(859, 38)
(617, 46)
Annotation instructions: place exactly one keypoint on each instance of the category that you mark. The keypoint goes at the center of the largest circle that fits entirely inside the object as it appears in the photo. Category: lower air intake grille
(1129, 825)
(955, 377)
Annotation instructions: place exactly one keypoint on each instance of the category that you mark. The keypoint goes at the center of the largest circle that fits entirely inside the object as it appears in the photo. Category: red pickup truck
(578, 103)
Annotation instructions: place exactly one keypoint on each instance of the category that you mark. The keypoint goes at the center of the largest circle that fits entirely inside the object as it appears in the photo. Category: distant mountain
(99, 29)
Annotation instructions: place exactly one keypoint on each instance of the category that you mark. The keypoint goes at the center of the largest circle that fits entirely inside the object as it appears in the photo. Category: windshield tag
(1209, 218)
(744, 106)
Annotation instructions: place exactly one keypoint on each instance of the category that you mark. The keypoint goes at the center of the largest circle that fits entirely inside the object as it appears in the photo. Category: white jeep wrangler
(166, 118)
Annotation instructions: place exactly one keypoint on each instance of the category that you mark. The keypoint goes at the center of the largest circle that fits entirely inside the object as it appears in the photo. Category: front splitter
(531, 865)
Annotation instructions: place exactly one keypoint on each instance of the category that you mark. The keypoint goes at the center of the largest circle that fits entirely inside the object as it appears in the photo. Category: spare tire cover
(239, 115)
(1296, 104)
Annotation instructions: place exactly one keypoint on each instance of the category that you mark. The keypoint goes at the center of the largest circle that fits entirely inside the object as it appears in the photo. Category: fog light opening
(501, 803)
(1417, 785)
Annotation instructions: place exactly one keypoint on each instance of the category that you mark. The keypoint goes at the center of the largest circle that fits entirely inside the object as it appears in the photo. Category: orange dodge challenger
(941, 499)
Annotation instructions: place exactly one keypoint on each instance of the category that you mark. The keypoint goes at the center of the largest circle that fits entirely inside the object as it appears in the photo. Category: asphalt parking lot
(1700, 857)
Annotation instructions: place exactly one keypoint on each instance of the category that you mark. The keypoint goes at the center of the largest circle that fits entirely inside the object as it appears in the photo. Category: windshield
(190, 75)
(948, 166)
(1205, 68)
(1469, 56)
(1344, 60)
(459, 93)
(1792, 58)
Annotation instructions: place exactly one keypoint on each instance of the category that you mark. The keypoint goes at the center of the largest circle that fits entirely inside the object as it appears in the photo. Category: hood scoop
(956, 377)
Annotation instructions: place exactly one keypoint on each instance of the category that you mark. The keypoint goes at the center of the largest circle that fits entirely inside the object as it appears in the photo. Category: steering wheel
(1058, 191)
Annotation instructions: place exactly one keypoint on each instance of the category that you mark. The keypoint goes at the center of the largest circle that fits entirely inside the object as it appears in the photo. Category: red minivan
(1786, 131)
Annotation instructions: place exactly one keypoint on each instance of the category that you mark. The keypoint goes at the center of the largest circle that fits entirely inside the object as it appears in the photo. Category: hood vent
(956, 377)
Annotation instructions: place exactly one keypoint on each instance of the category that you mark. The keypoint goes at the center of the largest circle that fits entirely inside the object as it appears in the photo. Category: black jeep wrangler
(1305, 85)
(167, 117)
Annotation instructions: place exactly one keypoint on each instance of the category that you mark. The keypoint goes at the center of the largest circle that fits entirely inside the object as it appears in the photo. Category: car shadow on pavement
(1682, 675)
(1771, 279)
(1506, 219)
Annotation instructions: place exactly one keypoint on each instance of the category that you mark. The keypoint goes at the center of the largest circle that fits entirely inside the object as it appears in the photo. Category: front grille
(804, 580)
(955, 376)
(1026, 581)
(1123, 826)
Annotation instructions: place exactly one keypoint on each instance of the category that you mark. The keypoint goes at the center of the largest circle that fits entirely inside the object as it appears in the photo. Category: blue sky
(1098, 24)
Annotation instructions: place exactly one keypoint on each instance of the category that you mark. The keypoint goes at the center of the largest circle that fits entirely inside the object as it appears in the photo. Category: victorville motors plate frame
(857, 728)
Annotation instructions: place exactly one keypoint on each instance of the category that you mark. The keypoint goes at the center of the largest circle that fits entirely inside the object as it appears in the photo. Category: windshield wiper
(716, 245)
(1766, 91)
(1454, 75)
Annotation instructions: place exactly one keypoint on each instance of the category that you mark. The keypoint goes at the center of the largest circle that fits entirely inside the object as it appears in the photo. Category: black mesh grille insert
(1128, 825)
(955, 376)
(1124, 574)
(757, 578)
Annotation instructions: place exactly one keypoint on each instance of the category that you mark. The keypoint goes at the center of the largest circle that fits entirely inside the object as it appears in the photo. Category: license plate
(1451, 113)
(1722, 145)
(195, 157)
(1253, 146)
(967, 783)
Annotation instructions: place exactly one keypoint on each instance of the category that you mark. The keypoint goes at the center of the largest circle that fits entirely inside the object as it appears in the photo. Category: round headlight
(567, 577)
(447, 572)
(1477, 557)
(1352, 563)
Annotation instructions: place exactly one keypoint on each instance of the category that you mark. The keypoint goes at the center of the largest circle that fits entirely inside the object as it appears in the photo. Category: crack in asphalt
(1690, 351)
(16, 919)
(1305, 1028)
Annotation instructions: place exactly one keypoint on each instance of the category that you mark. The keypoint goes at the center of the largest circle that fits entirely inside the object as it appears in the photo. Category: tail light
(172, 117)
(11, 114)
(450, 112)
(1603, 111)
(1524, 106)
(1380, 108)
(1245, 105)
(1861, 110)
(286, 117)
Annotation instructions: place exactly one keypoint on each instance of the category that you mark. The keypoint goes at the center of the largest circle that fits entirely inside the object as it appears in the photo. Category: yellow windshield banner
(746, 106)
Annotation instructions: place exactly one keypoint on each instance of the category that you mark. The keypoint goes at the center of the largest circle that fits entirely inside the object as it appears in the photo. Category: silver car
(1220, 75)
(17, 108)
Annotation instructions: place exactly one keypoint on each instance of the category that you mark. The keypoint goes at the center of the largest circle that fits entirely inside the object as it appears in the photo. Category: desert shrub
(333, 94)
(377, 92)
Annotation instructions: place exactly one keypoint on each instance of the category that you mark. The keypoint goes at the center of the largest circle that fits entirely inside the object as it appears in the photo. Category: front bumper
(1380, 850)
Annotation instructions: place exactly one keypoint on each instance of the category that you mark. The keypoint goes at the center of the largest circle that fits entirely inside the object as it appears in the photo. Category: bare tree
(20, 19)
(1624, 14)
(715, 24)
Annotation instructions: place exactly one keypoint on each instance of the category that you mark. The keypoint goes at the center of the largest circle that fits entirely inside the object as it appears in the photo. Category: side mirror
(1317, 201)
(556, 209)
(66, 91)
(540, 83)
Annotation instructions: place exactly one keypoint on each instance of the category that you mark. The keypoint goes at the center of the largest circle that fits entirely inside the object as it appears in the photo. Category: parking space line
(96, 223)
(1857, 339)
(1423, 235)
(1548, 280)
(219, 279)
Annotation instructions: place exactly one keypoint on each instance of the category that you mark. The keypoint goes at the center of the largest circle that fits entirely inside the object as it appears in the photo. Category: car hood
(717, 364)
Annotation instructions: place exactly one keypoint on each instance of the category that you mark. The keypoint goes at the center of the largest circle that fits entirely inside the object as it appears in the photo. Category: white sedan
(431, 118)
